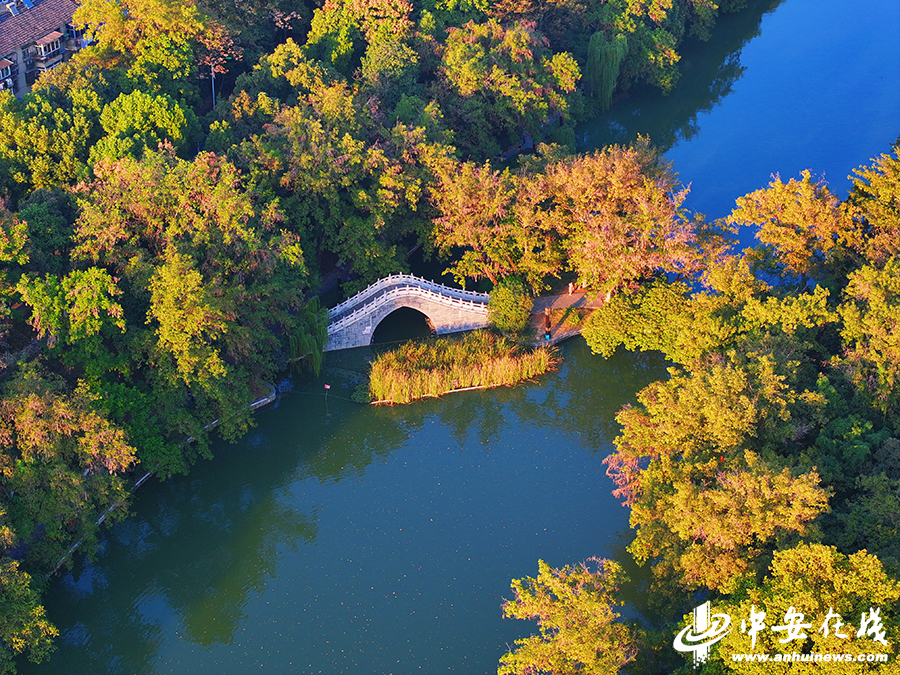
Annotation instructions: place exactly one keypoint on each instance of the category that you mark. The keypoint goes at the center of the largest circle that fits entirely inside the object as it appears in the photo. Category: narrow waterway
(340, 538)
(783, 86)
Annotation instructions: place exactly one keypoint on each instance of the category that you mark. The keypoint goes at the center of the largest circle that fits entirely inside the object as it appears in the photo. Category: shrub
(510, 305)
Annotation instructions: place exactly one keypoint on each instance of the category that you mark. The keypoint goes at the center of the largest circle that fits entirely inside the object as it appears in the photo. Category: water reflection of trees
(362, 438)
(582, 400)
(709, 71)
(589, 391)
(204, 545)
(481, 413)
(209, 541)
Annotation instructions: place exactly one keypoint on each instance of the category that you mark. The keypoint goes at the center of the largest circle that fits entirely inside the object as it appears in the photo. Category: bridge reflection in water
(449, 310)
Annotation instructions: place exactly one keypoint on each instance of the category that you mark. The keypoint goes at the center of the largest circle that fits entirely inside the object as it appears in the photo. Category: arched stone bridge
(449, 310)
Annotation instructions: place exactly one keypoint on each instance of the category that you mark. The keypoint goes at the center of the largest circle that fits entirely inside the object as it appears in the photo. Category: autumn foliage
(159, 253)
(614, 217)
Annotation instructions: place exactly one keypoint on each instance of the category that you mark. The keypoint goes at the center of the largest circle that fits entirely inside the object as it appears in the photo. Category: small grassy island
(439, 366)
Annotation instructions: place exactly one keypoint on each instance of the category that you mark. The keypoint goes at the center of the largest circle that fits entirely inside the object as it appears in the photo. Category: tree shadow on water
(709, 71)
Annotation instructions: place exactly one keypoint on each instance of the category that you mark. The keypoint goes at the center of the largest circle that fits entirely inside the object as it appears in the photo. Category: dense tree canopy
(509, 307)
(213, 273)
(613, 217)
(137, 121)
(575, 610)
(45, 139)
(61, 460)
(23, 624)
(823, 588)
(778, 432)
(503, 81)
(148, 288)
(876, 195)
(806, 226)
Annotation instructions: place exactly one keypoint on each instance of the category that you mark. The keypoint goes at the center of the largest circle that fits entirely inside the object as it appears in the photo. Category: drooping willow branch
(307, 342)
(605, 58)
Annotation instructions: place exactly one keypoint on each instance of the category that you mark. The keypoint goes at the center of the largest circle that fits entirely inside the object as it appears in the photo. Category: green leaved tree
(137, 121)
(24, 629)
(833, 594)
(509, 307)
(579, 627)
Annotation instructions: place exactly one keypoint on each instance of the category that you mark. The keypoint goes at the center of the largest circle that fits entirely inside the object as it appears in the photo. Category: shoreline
(255, 405)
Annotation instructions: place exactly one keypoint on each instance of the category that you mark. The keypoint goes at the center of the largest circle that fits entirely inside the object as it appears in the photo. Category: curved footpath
(577, 300)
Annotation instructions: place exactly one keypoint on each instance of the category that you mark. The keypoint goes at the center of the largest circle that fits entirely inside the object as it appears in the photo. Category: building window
(73, 33)
(48, 49)
(6, 75)
(48, 46)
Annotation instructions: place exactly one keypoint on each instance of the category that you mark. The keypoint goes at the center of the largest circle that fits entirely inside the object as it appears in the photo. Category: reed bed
(438, 366)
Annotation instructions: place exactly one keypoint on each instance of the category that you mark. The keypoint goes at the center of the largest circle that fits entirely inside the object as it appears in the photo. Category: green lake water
(341, 538)
(344, 538)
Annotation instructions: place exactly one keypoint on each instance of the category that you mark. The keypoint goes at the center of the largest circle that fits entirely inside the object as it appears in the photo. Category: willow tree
(307, 342)
(605, 57)
(498, 81)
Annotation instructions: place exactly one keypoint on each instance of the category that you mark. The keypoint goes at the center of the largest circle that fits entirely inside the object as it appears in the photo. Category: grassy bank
(441, 365)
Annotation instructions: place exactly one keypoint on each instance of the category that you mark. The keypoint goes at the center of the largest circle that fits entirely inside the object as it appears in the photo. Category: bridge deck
(377, 289)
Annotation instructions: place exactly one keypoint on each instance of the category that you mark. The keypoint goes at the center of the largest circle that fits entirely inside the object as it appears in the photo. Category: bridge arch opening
(404, 323)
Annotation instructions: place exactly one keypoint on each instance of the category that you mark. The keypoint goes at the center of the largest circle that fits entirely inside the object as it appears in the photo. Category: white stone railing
(388, 297)
(406, 280)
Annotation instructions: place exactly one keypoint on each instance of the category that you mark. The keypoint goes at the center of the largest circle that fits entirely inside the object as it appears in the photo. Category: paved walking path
(577, 300)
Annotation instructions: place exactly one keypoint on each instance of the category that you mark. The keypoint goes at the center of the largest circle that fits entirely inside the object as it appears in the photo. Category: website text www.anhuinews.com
(816, 656)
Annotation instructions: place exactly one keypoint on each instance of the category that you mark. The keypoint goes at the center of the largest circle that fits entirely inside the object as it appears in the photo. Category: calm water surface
(339, 538)
(343, 538)
(810, 84)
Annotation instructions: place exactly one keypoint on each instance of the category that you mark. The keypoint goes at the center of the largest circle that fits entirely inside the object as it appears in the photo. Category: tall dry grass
(441, 365)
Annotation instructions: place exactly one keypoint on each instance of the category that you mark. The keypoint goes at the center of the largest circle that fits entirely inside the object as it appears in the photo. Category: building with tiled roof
(35, 36)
